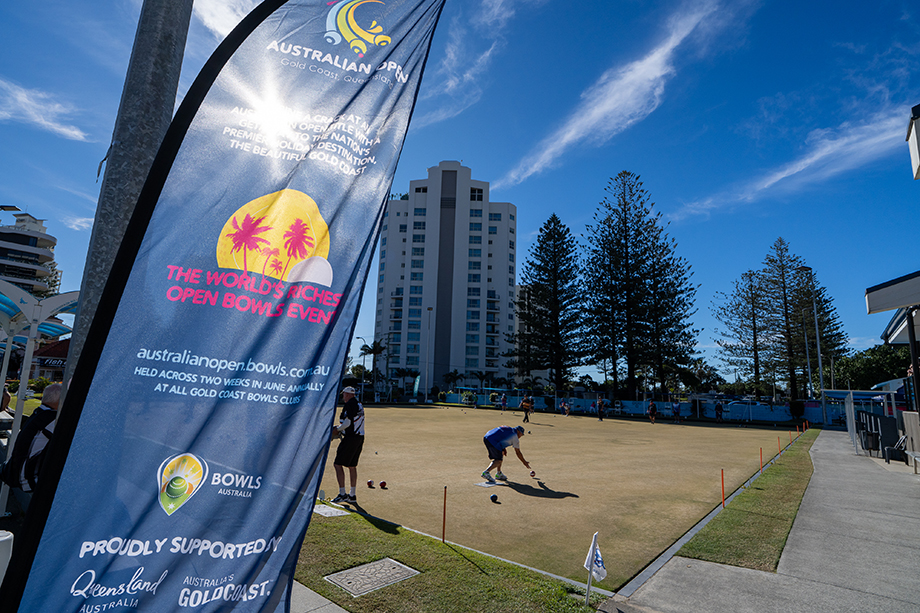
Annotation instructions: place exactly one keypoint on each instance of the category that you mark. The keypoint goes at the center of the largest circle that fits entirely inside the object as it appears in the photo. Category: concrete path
(304, 600)
(854, 546)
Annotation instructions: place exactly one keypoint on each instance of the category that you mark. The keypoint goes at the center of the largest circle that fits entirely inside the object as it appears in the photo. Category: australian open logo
(179, 478)
(342, 24)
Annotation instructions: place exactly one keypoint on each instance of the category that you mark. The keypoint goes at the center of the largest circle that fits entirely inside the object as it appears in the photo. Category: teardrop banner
(190, 448)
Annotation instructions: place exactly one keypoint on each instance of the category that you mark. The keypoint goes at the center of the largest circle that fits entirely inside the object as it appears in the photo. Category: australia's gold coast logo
(281, 235)
(342, 24)
(180, 478)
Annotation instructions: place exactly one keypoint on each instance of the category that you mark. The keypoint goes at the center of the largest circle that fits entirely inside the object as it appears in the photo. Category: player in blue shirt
(497, 440)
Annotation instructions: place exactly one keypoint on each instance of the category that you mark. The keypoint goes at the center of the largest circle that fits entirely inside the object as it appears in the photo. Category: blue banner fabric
(194, 467)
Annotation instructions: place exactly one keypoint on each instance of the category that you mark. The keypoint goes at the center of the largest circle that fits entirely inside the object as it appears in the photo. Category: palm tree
(245, 236)
(276, 266)
(269, 252)
(531, 383)
(297, 241)
(401, 373)
(374, 349)
(482, 376)
(452, 377)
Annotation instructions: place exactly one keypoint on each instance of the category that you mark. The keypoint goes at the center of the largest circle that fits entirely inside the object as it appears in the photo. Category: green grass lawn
(30, 405)
(451, 578)
(751, 532)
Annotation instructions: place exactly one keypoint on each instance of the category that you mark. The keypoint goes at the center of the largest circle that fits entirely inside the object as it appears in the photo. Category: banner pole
(590, 571)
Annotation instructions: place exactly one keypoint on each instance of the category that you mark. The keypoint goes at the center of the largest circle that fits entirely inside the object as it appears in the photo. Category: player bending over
(497, 440)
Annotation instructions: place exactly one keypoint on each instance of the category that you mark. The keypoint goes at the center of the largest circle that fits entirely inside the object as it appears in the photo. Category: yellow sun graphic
(272, 234)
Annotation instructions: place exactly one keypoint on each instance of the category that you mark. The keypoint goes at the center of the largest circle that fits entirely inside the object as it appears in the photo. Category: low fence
(699, 409)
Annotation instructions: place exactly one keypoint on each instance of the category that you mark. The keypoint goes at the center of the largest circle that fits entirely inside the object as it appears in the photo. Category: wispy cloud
(457, 90)
(622, 96)
(78, 223)
(37, 108)
(456, 83)
(79, 193)
(861, 343)
(828, 152)
(221, 16)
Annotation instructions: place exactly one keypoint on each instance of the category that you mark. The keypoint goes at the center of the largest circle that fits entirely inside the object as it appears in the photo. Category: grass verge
(751, 532)
(451, 578)
(27, 407)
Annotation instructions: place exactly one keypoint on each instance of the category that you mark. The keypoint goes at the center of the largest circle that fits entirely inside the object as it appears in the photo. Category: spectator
(25, 463)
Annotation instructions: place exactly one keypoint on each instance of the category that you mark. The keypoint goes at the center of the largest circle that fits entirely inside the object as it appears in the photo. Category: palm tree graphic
(269, 252)
(245, 236)
(276, 266)
(296, 242)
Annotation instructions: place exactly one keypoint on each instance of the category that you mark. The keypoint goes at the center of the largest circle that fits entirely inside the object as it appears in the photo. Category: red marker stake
(778, 446)
(723, 488)
(761, 460)
(444, 520)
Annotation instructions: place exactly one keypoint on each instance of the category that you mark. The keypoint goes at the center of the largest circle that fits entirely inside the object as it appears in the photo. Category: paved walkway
(854, 546)
(304, 600)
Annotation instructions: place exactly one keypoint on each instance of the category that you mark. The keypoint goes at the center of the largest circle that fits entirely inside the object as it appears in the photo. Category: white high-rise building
(26, 250)
(445, 286)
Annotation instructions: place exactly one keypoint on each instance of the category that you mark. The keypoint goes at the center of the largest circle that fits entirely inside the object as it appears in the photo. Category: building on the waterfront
(446, 279)
(27, 253)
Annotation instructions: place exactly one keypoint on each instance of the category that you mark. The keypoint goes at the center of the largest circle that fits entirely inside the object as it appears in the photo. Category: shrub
(442, 396)
(469, 398)
(13, 386)
(493, 397)
(39, 385)
(797, 409)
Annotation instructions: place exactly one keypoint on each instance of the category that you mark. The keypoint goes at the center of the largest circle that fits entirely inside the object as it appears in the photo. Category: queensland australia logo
(180, 477)
(342, 24)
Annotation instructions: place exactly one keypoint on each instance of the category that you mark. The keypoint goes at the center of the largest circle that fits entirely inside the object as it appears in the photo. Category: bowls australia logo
(341, 23)
(180, 478)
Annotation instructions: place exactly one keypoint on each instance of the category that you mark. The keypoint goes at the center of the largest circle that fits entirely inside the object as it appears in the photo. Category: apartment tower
(446, 279)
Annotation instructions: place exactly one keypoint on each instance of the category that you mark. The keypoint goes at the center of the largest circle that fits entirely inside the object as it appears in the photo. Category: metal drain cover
(366, 578)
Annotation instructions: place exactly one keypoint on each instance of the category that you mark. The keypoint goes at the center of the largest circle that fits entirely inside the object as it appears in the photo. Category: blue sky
(746, 121)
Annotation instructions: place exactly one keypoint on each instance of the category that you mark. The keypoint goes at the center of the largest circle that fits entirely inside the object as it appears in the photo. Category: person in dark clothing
(351, 427)
(527, 407)
(25, 462)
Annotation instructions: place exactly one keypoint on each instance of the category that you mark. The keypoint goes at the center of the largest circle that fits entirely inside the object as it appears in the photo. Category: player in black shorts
(351, 427)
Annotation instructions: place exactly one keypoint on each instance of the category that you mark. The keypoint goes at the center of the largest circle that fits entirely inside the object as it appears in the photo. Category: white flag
(595, 562)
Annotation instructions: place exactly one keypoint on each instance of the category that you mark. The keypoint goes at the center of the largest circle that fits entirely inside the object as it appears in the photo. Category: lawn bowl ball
(176, 487)
(533, 473)
(370, 483)
(494, 497)
(383, 485)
